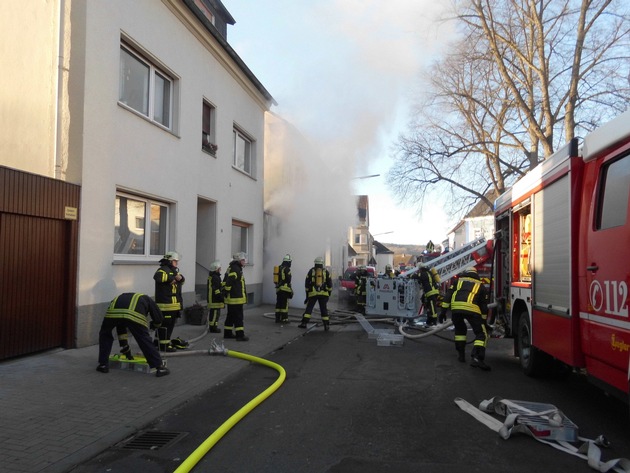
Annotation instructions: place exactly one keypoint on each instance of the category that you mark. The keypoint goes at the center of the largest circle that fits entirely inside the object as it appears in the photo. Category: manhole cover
(152, 440)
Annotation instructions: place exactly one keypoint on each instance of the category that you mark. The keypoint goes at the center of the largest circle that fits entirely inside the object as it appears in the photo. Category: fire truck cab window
(615, 192)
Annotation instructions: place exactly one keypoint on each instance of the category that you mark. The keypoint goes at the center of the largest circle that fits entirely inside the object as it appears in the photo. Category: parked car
(347, 285)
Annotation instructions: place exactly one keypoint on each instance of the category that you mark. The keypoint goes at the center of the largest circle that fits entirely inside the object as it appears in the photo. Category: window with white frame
(145, 88)
(241, 238)
(243, 152)
(140, 226)
(208, 128)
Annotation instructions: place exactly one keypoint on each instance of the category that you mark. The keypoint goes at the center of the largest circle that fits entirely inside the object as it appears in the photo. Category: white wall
(123, 150)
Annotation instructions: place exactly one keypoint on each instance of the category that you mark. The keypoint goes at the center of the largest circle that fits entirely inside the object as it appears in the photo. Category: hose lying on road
(194, 458)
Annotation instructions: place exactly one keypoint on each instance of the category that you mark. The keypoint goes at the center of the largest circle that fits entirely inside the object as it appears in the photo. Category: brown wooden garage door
(37, 263)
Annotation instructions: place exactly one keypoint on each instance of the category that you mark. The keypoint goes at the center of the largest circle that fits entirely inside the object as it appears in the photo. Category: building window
(615, 189)
(208, 140)
(243, 152)
(145, 88)
(241, 238)
(140, 226)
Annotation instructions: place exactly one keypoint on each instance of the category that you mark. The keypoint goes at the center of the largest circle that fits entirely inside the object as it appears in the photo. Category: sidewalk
(57, 411)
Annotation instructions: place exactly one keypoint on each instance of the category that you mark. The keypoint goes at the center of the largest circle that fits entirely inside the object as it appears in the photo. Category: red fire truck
(562, 260)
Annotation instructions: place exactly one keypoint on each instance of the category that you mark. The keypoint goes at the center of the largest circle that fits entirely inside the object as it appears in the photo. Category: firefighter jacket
(360, 281)
(136, 308)
(427, 282)
(168, 291)
(215, 291)
(318, 282)
(284, 278)
(234, 287)
(467, 294)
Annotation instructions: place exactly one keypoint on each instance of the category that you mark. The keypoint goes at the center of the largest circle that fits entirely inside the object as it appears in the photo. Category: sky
(346, 74)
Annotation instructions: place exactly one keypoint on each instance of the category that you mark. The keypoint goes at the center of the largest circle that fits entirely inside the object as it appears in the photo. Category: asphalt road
(349, 405)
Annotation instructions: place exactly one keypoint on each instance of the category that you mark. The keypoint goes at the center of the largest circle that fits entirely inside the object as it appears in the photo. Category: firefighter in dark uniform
(360, 287)
(284, 292)
(318, 287)
(215, 297)
(235, 295)
(130, 311)
(168, 295)
(429, 285)
(467, 298)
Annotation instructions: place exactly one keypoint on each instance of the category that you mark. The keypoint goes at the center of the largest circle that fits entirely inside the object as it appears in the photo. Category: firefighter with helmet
(235, 295)
(318, 287)
(360, 287)
(131, 311)
(389, 272)
(467, 298)
(215, 296)
(284, 292)
(168, 296)
(429, 284)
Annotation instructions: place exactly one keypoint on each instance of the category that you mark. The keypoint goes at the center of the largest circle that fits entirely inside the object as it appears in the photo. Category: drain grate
(152, 440)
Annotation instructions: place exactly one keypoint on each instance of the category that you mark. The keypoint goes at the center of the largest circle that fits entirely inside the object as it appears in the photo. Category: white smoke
(342, 72)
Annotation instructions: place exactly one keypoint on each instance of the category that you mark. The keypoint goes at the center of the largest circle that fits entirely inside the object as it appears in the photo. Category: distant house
(383, 256)
(479, 222)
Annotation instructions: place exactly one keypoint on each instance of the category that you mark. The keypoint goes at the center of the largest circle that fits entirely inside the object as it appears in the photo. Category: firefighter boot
(214, 329)
(278, 318)
(326, 326)
(303, 322)
(228, 333)
(477, 359)
(179, 343)
(240, 336)
(126, 350)
(162, 370)
(461, 351)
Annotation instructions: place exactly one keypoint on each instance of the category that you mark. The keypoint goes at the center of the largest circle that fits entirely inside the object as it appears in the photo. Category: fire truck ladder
(454, 262)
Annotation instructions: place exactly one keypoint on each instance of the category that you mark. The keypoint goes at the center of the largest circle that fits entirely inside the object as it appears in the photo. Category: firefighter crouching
(130, 311)
(467, 298)
(284, 292)
(318, 287)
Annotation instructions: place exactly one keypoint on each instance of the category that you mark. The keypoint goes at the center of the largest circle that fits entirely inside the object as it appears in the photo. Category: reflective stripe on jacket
(234, 285)
(134, 307)
(468, 295)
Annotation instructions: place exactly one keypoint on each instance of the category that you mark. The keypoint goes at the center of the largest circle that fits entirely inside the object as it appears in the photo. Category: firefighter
(130, 311)
(389, 272)
(284, 291)
(360, 288)
(215, 297)
(168, 295)
(318, 287)
(429, 285)
(467, 299)
(235, 295)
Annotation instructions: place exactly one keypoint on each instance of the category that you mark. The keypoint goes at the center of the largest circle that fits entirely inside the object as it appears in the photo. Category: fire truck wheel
(533, 361)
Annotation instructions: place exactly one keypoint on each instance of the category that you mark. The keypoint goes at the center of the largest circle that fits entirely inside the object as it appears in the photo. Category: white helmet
(215, 265)
(239, 256)
(319, 260)
(171, 256)
(287, 258)
(388, 267)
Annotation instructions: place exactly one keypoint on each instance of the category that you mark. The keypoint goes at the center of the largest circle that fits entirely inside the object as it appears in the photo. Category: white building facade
(145, 105)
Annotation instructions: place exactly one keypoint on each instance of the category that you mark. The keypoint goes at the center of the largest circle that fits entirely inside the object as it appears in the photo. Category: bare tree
(524, 72)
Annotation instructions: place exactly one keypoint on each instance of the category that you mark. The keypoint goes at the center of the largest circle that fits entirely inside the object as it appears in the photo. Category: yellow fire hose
(196, 456)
